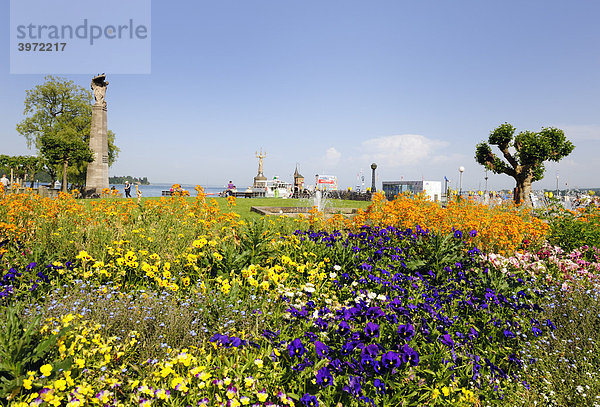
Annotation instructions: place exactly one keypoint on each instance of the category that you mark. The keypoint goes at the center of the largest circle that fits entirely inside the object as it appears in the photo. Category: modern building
(432, 189)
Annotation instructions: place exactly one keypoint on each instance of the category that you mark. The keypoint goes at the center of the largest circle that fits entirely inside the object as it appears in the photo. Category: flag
(445, 179)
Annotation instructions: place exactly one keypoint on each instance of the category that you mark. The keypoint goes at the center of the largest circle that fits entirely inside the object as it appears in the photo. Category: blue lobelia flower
(324, 377)
(296, 348)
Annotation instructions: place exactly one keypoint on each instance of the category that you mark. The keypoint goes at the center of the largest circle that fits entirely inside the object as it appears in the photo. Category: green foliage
(56, 105)
(65, 148)
(23, 349)
(434, 252)
(502, 136)
(570, 230)
(255, 241)
(113, 150)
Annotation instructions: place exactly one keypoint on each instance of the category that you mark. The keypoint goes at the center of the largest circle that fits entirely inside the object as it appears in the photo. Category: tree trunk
(523, 190)
(64, 181)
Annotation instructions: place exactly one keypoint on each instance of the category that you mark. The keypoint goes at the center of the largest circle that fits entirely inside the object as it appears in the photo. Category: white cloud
(581, 132)
(403, 149)
(332, 156)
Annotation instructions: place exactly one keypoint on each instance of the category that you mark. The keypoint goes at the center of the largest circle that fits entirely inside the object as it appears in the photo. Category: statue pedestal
(97, 171)
(260, 181)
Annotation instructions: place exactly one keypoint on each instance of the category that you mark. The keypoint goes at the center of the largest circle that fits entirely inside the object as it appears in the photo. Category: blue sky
(337, 85)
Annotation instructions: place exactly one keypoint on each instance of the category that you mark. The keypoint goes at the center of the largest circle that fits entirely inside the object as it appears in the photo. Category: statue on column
(260, 162)
(97, 171)
(99, 85)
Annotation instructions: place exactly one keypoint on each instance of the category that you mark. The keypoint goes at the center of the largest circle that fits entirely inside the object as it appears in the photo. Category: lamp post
(461, 169)
(373, 189)
(485, 196)
(486, 178)
(446, 188)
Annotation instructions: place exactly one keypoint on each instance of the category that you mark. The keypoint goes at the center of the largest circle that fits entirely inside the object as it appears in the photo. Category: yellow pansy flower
(46, 370)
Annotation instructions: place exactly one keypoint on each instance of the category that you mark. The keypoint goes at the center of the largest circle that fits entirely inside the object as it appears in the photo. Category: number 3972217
(42, 46)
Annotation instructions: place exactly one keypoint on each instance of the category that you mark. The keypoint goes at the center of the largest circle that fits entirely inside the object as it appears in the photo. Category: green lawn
(243, 204)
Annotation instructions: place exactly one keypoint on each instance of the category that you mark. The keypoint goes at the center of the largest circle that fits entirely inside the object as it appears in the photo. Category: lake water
(156, 189)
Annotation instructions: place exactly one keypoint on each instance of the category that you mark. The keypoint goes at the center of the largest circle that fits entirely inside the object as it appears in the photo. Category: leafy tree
(77, 173)
(524, 153)
(24, 167)
(129, 178)
(63, 148)
(61, 110)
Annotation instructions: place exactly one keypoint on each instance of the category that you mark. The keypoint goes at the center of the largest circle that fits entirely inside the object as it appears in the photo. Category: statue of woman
(260, 162)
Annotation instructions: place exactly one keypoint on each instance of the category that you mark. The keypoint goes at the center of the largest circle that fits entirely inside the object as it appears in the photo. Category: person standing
(127, 189)
(4, 181)
(230, 188)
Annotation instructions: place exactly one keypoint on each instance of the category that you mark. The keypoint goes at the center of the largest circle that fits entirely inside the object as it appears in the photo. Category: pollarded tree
(525, 155)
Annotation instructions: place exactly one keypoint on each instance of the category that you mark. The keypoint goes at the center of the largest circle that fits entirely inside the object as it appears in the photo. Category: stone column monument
(260, 181)
(97, 170)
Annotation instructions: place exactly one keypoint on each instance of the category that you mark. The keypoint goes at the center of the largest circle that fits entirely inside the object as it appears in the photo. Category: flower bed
(174, 302)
